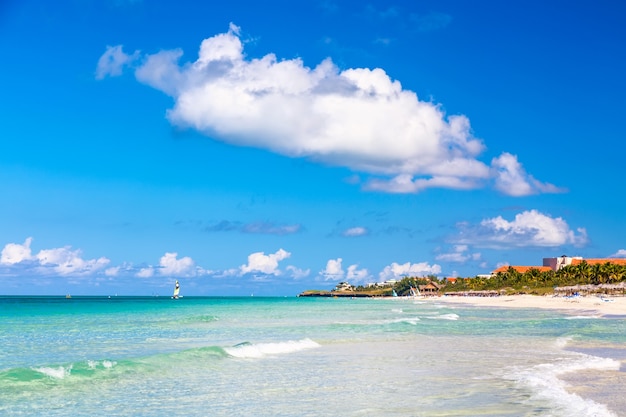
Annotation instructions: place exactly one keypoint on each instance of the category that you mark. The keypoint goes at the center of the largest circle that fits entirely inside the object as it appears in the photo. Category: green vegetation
(533, 281)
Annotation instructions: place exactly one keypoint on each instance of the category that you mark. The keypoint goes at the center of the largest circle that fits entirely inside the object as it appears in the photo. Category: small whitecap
(56, 373)
(108, 364)
(450, 316)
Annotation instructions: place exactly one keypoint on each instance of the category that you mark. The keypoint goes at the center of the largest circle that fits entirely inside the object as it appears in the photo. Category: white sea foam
(583, 317)
(259, 350)
(397, 310)
(56, 373)
(543, 381)
(562, 342)
(409, 320)
(106, 364)
(450, 316)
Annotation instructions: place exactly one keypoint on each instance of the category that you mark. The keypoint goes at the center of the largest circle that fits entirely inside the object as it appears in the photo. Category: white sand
(591, 305)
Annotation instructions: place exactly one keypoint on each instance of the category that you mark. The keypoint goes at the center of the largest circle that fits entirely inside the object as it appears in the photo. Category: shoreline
(583, 305)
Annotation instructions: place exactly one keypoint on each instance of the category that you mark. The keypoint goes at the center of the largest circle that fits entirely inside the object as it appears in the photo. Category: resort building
(344, 286)
(431, 288)
(554, 264)
(557, 263)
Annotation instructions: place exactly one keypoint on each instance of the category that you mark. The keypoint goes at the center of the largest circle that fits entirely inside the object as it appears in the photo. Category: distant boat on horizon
(176, 291)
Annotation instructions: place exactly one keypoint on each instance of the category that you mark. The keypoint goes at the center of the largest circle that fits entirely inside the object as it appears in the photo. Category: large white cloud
(357, 118)
(528, 229)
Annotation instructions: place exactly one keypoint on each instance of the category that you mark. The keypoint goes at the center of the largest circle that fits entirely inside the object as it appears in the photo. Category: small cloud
(356, 275)
(14, 253)
(619, 254)
(113, 61)
(333, 270)
(355, 231)
(170, 265)
(511, 178)
(224, 226)
(460, 255)
(398, 271)
(382, 41)
(113, 271)
(266, 228)
(297, 273)
(147, 272)
(265, 264)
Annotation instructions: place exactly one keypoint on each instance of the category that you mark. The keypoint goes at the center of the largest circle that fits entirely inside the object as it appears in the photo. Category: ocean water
(154, 356)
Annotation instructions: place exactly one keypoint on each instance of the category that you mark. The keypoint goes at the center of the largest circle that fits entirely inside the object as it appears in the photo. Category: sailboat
(415, 292)
(176, 291)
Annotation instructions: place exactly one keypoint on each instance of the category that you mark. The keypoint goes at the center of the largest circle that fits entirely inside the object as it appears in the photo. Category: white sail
(176, 290)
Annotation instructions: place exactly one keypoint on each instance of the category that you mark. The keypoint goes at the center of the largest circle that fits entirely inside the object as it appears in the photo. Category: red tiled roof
(522, 269)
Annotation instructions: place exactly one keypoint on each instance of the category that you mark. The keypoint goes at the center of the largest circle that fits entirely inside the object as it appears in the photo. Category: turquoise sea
(154, 356)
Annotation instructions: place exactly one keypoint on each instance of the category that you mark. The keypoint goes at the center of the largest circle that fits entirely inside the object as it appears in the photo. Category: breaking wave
(259, 350)
(544, 383)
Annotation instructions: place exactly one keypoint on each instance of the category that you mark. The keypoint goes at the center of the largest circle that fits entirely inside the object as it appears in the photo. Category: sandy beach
(589, 305)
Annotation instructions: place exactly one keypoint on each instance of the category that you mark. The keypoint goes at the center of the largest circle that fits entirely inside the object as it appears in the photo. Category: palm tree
(584, 272)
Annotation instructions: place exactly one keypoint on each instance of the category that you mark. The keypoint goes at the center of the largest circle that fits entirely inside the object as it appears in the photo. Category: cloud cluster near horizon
(357, 118)
(528, 229)
(58, 261)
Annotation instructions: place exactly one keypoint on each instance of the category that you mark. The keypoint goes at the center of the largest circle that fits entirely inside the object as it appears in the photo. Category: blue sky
(265, 148)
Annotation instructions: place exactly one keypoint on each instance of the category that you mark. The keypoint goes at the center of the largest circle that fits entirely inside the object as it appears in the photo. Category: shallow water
(303, 357)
